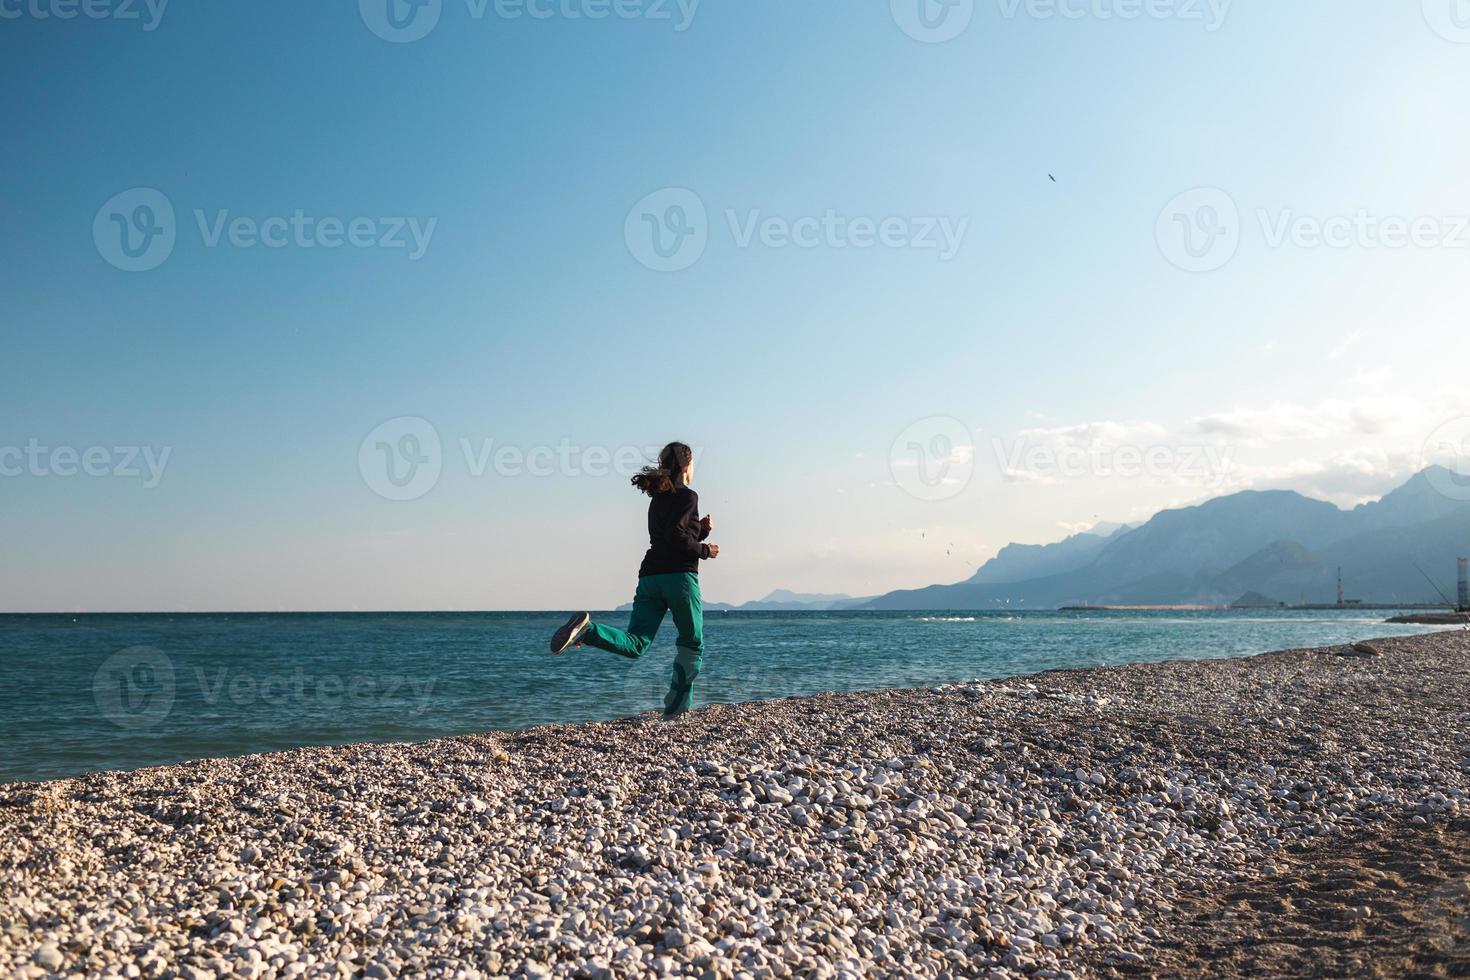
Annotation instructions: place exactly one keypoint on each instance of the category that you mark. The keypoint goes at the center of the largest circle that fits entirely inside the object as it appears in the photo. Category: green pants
(657, 594)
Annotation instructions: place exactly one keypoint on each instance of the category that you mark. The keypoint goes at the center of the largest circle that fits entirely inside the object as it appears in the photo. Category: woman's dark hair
(672, 459)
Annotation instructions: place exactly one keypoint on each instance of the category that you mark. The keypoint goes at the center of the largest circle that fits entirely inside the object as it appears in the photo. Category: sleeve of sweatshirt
(687, 530)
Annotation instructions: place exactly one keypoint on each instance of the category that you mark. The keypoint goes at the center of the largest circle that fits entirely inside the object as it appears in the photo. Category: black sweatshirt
(674, 534)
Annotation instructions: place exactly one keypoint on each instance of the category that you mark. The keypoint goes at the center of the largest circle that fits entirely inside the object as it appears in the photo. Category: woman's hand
(714, 551)
(707, 524)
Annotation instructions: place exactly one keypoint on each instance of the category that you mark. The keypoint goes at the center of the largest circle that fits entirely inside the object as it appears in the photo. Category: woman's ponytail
(672, 460)
(654, 480)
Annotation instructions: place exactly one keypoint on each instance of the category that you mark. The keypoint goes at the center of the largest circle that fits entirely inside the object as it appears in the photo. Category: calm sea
(83, 693)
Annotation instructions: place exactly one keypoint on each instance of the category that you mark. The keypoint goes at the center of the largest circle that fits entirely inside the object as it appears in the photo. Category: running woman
(668, 579)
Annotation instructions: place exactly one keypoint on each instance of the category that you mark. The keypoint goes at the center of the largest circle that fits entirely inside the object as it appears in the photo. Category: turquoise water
(83, 693)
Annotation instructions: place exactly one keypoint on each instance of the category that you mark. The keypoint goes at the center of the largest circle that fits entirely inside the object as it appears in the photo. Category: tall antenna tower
(1339, 586)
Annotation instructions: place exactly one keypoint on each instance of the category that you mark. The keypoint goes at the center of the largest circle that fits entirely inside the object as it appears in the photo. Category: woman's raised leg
(648, 612)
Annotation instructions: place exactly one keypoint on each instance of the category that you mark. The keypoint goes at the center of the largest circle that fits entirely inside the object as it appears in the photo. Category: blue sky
(1062, 326)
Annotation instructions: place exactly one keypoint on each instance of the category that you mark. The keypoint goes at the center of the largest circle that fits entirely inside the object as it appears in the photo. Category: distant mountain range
(1277, 544)
(783, 600)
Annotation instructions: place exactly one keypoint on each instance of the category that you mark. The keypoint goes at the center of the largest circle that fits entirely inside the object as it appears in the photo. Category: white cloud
(1346, 479)
(1018, 474)
(1104, 433)
(1258, 426)
(1353, 342)
(1368, 413)
(1074, 527)
(957, 456)
(1346, 449)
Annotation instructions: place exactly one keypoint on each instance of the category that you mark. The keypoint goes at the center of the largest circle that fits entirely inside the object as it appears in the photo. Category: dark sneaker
(570, 633)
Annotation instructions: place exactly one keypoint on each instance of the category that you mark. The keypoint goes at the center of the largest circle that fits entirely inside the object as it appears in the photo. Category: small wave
(947, 619)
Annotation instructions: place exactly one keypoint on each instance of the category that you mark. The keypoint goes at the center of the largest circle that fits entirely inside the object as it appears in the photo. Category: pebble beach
(1065, 824)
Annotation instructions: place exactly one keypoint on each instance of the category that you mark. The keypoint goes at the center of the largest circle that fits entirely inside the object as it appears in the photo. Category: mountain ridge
(784, 600)
(1272, 542)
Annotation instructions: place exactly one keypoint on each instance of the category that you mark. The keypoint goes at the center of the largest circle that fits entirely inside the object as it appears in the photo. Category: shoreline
(1048, 823)
(1431, 619)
